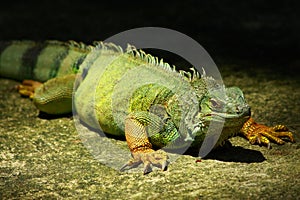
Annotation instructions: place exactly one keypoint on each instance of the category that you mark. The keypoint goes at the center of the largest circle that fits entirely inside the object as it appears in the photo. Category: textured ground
(45, 158)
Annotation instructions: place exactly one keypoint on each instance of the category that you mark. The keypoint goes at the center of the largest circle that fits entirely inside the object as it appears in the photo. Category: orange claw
(157, 158)
(28, 87)
(261, 134)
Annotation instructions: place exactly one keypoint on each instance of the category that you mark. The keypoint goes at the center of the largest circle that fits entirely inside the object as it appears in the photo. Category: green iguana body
(133, 93)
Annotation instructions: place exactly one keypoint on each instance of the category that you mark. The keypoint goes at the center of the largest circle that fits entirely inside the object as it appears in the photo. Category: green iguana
(131, 93)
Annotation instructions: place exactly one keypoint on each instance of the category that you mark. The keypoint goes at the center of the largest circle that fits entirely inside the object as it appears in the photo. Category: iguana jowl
(131, 93)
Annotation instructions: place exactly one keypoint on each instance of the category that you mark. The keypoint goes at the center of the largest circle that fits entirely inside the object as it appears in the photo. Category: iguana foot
(28, 87)
(150, 157)
(261, 134)
(139, 144)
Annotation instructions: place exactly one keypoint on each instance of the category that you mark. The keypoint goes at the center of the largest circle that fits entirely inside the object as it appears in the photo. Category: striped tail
(40, 61)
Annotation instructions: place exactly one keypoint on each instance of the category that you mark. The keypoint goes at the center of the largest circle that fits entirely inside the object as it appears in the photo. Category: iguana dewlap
(131, 93)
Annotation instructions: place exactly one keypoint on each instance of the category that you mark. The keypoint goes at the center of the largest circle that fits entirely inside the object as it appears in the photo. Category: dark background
(256, 31)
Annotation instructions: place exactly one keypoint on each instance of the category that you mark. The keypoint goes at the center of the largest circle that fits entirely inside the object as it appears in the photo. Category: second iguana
(131, 93)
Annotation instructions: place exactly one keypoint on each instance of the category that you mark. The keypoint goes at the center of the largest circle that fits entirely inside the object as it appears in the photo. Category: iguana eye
(214, 103)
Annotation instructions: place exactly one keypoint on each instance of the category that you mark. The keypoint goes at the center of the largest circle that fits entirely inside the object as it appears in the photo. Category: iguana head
(224, 104)
(221, 105)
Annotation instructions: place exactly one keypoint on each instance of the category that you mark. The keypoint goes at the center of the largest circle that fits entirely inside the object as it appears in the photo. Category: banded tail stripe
(11, 58)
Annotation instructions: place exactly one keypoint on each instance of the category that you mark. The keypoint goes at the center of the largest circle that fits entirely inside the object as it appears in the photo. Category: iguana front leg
(261, 134)
(140, 146)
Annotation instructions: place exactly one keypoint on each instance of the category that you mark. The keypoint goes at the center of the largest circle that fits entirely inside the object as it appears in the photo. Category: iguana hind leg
(55, 96)
(141, 148)
(261, 134)
(52, 97)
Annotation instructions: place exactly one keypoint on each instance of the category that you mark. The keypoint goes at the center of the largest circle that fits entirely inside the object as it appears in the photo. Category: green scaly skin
(126, 92)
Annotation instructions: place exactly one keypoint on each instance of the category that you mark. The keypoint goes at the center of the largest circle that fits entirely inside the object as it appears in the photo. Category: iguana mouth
(228, 117)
